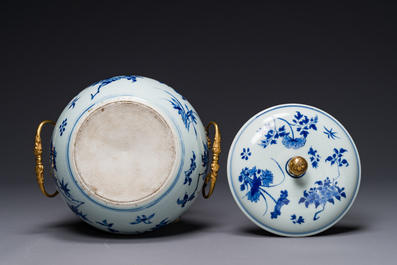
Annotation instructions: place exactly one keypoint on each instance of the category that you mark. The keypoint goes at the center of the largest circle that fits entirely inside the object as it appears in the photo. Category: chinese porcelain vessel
(294, 170)
(129, 155)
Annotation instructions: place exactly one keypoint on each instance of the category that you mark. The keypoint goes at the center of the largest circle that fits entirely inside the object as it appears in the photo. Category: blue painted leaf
(304, 133)
(342, 150)
(303, 199)
(336, 151)
(313, 126)
(320, 183)
(343, 195)
(331, 200)
(307, 204)
(298, 115)
(293, 217)
(329, 158)
(273, 142)
(316, 204)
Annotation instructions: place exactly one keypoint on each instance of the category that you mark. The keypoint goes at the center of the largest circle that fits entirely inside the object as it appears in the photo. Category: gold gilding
(297, 166)
(38, 151)
(216, 149)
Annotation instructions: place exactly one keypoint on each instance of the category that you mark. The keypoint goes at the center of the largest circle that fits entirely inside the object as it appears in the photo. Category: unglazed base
(124, 153)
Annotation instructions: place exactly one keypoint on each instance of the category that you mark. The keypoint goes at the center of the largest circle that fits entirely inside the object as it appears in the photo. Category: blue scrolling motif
(111, 80)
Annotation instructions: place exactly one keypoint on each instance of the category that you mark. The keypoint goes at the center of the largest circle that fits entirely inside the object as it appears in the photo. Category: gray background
(230, 60)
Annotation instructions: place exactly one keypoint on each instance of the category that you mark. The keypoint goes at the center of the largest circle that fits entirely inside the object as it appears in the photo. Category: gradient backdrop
(230, 60)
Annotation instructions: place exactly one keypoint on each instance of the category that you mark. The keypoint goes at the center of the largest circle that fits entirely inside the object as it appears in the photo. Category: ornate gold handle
(216, 149)
(38, 151)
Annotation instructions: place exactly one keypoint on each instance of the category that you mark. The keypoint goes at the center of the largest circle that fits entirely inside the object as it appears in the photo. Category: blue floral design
(245, 154)
(62, 126)
(330, 134)
(336, 158)
(302, 125)
(327, 190)
(314, 157)
(280, 202)
(189, 172)
(111, 80)
(186, 198)
(72, 203)
(161, 224)
(295, 220)
(144, 219)
(189, 117)
(73, 103)
(53, 155)
(254, 181)
(108, 226)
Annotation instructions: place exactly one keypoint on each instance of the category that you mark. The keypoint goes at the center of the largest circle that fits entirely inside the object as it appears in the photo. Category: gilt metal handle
(216, 149)
(38, 151)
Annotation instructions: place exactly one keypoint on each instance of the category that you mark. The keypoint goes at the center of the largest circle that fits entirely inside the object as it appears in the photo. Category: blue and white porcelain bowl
(129, 155)
(270, 194)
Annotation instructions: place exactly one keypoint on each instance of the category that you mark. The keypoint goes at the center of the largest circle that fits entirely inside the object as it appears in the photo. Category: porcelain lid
(294, 170)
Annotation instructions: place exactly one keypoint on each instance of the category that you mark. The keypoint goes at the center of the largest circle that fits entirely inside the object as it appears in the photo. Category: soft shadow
(335, 230)
(78, 230)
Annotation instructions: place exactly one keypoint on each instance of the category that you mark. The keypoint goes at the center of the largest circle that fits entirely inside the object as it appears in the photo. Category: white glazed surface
(278, 202)
(144, 208)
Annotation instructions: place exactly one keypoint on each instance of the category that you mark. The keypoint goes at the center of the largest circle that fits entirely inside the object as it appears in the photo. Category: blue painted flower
(325, 192)
(314, 157)
(300, 220)
(337, 158)
(256, 181)
(330, 134)
(294, 143)
(62, 126)
(245, 154)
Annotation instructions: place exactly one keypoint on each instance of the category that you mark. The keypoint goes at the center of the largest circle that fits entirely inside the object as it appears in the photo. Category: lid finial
(297, 166)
